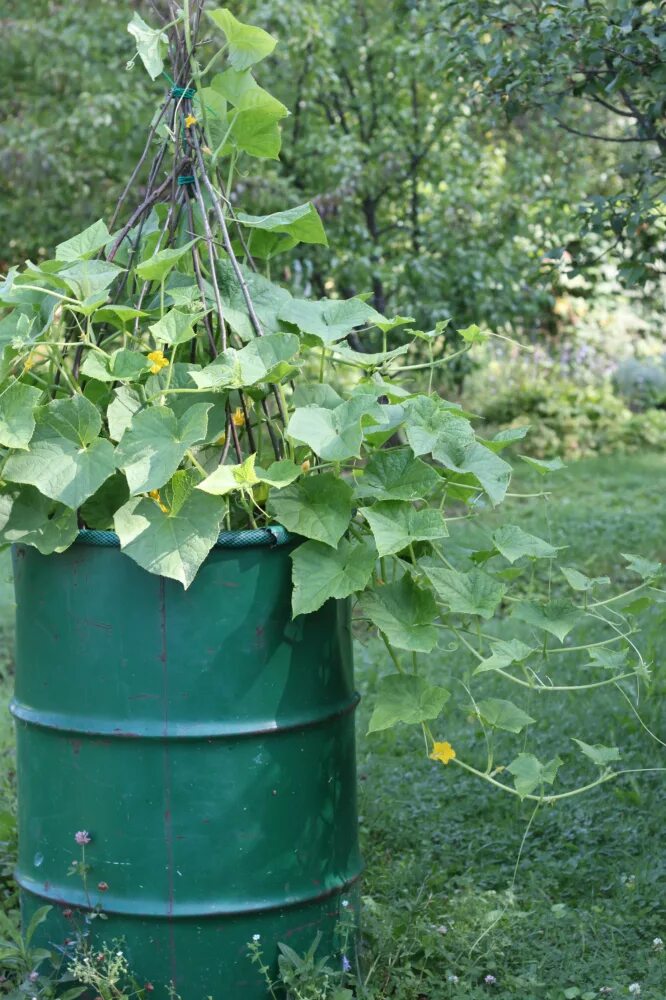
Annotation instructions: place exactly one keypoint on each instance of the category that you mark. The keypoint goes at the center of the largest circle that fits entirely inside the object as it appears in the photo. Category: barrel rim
(271, 536)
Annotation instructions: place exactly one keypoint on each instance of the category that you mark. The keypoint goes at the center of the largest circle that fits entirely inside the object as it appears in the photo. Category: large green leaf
(492, 472)
(328, 319)
(316, 394)
(578, 581)
(33, 519)
(502, 714)
(173, 544)
(66, 459)
(404, 612)
(529, 773)
(473, 334)
(431, 420)
(300, 224)
(17, 423)
(544, 466)
(155, 443)
(647, 569)
(601, 755)
(247, 44)
(470, 593)
(504, 653)
(75, 418)
(557, 617)
(321, 572)
(90, 279)
(406, 698)
(333, 434)
(98, 510)
(267, 298)
(396, 475)
(438, 428)
(118, 315)
(280, 474)
(151, 44)
(157, 267)
(120, 366)
(217, 122)
(514, 543)
(85, 244)
(265, 359)
(15, 326)
(608, 659)
(317, 507)
(369, 359)
(505, 438)
(231, 478)
(239, 88)
(175, 327)
(125, 403)
(177, 375)
(256, 131)
(397, 523)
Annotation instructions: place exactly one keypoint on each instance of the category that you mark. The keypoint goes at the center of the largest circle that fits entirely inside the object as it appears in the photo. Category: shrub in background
(642, 382)
(574, 421)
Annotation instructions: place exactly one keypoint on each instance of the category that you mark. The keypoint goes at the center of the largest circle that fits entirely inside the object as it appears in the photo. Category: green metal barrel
(206, 743)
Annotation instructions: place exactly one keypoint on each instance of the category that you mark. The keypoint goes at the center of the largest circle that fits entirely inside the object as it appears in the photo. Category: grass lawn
(444, 907)
(589, 894)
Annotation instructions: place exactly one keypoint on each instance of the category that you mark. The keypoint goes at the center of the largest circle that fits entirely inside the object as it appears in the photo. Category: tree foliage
(449, 147)
(595, 70)
(74, 119)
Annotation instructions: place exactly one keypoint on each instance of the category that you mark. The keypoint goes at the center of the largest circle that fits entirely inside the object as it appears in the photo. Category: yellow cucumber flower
(442, 751)
(158, 361)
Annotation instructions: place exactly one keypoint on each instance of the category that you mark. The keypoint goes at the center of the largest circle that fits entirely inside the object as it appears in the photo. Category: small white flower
(119, 954)
(345, 903)
(452, 979)
(658, 944)
(635, 989)
(442, 929)
(255, 937)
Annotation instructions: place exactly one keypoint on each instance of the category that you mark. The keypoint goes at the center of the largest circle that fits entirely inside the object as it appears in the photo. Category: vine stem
(434, 364)
(523, 840)
(609, 600)
(540, 687)
(547, 799)
(392, 654)
(197, 465)
(635, 711)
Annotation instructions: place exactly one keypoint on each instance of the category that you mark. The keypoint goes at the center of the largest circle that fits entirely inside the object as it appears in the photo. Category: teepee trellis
(188, 187)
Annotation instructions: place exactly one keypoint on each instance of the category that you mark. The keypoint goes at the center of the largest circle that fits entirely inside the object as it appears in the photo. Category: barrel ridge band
(74, 898)
(141, 730)
(274, 535)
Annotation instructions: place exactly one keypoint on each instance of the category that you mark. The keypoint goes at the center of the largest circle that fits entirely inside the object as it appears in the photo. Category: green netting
(273, 535)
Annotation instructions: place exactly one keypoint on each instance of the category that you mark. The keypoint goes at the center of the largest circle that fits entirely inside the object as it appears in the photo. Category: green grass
(589, 894)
